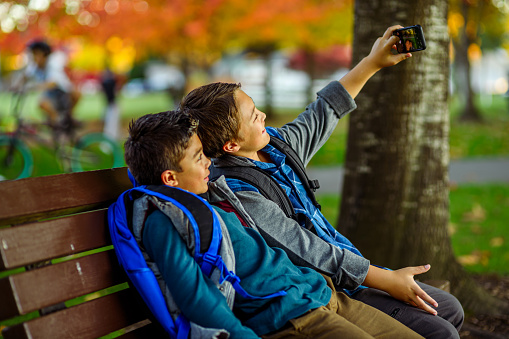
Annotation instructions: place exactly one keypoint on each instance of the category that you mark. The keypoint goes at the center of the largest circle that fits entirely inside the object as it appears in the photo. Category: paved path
(481, 170)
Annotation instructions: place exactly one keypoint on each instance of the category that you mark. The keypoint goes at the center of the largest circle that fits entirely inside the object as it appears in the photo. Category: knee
(448, 331)
(452, 311)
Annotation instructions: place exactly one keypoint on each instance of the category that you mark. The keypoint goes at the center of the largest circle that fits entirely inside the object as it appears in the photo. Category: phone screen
(411, 39)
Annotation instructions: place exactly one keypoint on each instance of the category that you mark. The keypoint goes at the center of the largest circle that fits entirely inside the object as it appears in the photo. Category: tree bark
(395, 205)
(463, 73)
(267, 84)
(310, 70)
(266, 50)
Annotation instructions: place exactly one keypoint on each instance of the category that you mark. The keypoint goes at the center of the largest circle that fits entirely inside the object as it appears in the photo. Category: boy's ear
(169, 178)
(231, 147)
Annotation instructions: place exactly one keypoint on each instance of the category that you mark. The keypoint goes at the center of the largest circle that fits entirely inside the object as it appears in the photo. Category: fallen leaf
(478, 213)
(496, 242)
(476, 257)
(485, 257)
(468, 260)
(476, 229)
(452, 228)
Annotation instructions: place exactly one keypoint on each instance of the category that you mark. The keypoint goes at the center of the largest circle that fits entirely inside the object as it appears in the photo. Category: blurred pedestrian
(45, 72)
(109, 85)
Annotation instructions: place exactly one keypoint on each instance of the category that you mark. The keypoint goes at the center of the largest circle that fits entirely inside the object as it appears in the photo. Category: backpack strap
(296, 164)
(265, 183)
(207, 236)
(136, 268)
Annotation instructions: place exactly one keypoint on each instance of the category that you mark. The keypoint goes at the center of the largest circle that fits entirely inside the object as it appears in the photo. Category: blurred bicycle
(88, 152)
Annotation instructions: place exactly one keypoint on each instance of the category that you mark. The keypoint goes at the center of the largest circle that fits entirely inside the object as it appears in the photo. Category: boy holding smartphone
(233, 131)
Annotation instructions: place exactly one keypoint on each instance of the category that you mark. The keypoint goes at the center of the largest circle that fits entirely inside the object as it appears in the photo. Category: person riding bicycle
(45, 72)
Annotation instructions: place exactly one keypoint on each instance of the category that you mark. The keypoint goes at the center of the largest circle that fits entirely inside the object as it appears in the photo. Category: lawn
(479, 225)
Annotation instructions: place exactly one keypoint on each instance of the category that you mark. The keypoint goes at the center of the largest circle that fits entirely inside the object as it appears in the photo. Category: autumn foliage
(187, 32)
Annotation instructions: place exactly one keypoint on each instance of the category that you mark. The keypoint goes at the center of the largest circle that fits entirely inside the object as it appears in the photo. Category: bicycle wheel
(96, 151)
(16, 159)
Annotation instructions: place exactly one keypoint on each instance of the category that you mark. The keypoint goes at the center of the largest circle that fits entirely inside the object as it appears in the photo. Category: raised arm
(379, 57)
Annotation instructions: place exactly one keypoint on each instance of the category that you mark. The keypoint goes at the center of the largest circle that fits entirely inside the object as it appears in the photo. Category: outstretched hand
(381, 55)
(401, 285)
(406, 289)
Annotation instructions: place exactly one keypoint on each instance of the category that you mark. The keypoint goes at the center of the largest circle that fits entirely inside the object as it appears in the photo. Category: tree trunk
(462, 71)
(177, 93)
(310, 70)
(395, 205)
(267, 84)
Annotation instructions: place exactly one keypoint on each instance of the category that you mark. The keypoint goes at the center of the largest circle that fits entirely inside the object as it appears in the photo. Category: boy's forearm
(355, 80)
(378, 278)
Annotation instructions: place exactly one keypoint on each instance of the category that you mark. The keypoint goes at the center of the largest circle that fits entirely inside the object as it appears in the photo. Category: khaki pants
(344, 317)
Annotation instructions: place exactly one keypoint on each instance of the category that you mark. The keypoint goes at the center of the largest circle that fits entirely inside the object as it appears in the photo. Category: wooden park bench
(59, 276)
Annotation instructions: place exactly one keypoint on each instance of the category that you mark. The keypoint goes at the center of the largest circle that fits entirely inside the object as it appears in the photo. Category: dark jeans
(445, 325)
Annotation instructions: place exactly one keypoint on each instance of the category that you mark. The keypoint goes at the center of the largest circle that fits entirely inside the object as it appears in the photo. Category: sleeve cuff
(353, 271)
(338, 98)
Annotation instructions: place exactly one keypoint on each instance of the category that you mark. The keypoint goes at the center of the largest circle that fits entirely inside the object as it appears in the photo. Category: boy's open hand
(380, 55)
(400, 284)
(404, 288)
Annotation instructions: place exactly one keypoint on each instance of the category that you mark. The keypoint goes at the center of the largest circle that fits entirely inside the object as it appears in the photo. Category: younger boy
(233, 132)
(163, 149)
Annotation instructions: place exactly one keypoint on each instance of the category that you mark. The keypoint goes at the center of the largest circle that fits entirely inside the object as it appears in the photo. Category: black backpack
(267, 185)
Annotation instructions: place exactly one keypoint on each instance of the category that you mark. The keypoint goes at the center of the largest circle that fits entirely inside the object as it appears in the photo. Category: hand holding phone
(411, 39)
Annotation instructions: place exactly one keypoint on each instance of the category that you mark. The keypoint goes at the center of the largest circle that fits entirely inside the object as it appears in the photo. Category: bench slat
(53, 284)
(59, 194)
(88, 320)
(31, 243)
(149, 330)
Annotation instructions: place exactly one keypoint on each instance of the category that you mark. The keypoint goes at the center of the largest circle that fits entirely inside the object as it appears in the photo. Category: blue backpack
(207, 235)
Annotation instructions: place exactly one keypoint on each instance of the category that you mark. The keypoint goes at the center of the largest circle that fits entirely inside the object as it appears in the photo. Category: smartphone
(411, 39)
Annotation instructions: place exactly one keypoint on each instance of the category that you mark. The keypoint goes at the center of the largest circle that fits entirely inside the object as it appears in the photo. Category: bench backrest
(59, 277)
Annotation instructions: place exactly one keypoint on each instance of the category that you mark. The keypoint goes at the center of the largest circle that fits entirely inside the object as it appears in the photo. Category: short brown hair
(215, 107)
(157, 143)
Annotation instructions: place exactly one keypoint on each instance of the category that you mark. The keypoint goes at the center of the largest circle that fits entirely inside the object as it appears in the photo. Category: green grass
(479, 225)
(488, 138)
